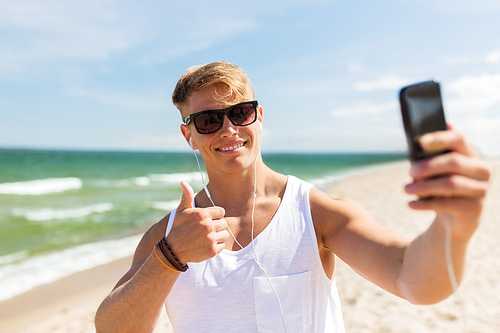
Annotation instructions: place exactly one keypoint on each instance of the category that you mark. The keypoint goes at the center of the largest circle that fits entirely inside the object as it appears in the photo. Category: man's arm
(414, 270)
(456, 184)
(135, 303)
(346, 229)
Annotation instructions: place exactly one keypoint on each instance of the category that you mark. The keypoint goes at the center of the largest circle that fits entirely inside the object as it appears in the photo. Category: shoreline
(69, 304)
(67, 261)
(85, 288)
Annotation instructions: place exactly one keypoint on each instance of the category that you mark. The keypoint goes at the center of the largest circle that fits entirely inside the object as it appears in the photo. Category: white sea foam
(142, 181)
(20, 277)
(169, 179)
(13, 257)
(41, 186)
(48, 214)
(175, 178)
(165, 205)
(111, 183)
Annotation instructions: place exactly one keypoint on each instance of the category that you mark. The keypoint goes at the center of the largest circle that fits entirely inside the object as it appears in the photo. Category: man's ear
(187, 136)
(260, 117)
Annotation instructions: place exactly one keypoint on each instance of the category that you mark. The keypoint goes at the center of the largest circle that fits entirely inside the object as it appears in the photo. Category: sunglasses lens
(243, 114)
(208, 122)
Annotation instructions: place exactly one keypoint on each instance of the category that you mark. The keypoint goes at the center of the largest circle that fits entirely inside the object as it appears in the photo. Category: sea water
(66, 211)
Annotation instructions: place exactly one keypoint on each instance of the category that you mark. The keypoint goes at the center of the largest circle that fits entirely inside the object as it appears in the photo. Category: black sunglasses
(210, 121)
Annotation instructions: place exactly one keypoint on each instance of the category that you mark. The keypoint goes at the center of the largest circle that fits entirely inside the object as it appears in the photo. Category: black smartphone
(422, 111)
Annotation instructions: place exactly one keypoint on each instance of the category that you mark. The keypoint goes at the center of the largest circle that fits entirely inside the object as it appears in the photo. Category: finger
(448, 186)
(222, 237)
(455, 206)
(446, 140)
(187, 196)
(451, 163)
(221, 225)
(219, 247)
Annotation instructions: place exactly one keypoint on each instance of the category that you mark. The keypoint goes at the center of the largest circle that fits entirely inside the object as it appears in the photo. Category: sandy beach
(69, 304)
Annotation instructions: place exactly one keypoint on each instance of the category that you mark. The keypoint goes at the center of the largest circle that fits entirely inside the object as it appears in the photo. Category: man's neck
(233, 189)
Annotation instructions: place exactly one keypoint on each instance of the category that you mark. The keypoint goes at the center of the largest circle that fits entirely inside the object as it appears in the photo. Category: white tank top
(229, 293)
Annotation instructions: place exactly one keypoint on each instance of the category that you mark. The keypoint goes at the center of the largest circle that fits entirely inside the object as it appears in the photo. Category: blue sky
(99, 74)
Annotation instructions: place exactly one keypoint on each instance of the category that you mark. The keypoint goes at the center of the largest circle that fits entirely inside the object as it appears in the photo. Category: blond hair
(233, 80)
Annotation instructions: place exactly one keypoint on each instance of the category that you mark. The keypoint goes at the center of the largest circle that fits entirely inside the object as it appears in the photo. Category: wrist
(170, 256)
(161, 258)
(460, 229)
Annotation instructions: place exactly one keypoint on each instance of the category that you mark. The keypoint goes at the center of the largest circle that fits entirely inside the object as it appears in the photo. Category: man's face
(231, 147)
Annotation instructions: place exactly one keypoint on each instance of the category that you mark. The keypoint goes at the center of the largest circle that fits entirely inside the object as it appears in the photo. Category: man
(261, 246)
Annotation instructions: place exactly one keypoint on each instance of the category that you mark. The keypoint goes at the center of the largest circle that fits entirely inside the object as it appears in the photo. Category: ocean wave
(41, 186)
(48, 214)
(165, 205)
(168, 179)
(18, 278)
(142, 181)
(13, 257)
(106, 183)
(176, 178)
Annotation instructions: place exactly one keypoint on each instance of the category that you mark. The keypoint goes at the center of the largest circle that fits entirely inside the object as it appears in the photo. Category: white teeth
(232, 148)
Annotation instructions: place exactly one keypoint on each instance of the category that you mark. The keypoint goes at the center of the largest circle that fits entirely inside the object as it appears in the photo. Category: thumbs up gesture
(197, 234)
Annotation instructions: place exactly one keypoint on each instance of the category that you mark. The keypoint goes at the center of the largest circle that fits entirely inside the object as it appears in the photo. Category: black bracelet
(170, 255)
(171, 267)
(175, 266)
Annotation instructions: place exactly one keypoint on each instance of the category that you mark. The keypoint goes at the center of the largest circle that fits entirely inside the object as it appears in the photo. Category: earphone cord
(255, 259)
(451, 271)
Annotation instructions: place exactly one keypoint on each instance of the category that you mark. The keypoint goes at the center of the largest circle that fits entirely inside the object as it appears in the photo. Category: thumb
(187, 196)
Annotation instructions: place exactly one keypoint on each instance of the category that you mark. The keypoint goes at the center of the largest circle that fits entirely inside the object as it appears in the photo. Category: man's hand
(455, 183)
(197, 234)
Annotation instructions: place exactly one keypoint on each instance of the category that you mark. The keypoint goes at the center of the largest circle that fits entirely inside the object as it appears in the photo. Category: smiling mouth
(232, 147)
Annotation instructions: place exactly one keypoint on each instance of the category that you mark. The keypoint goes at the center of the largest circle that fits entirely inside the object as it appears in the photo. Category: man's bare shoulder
(322, 203)
(332, 214)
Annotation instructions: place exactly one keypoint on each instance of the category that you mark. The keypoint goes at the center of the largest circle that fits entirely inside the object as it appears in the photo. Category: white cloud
(474, 104)
(460, 6)
(355, 67)
(391, 82)
(364, 108)
(490, 58)
(458, 60)
(493, 57)
(54, 30)
(368, 135)
(95, 30)
(199, 37)
(476, 94)
(126, 101)
(482, 132)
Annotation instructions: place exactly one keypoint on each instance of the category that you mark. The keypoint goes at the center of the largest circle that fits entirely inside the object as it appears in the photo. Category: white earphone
(255, 258)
